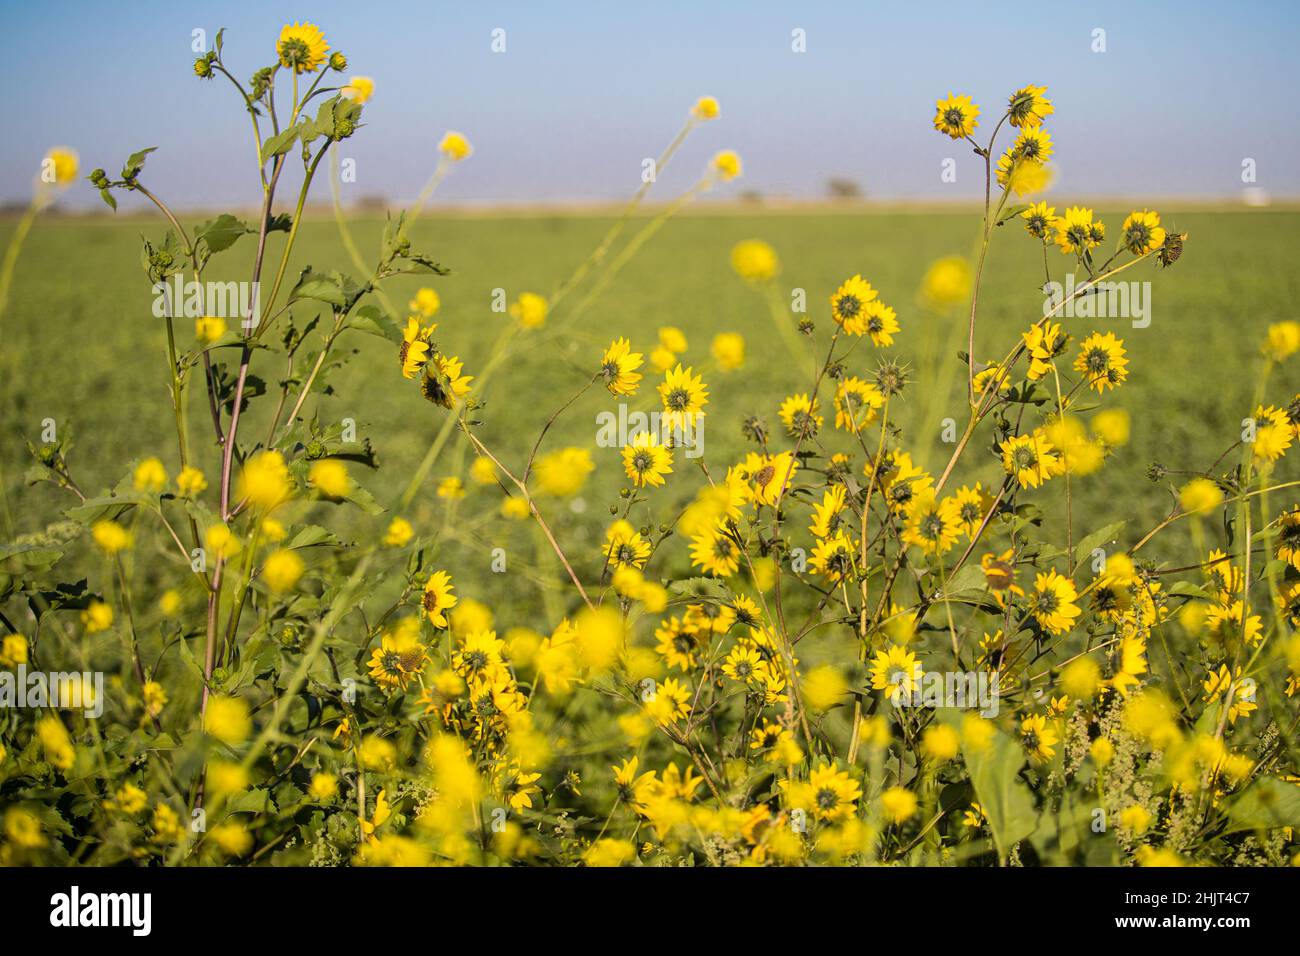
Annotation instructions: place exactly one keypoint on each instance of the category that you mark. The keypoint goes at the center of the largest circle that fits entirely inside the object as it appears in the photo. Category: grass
(81, 346)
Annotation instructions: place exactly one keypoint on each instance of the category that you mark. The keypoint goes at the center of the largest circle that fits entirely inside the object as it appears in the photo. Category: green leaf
(1188, 589)
(415, 263)
(372, 320)
(700, 588)
(1006, 800)
(135, 163)
(107, 506)
(107, 196)
(280, 143)
(221, 233)
(18, 559)
(1095, 540)
(323, 125)
(1266, 804)
(969, 578)
(364, 500)
(250, 801)
(312, 535)
(190, 661)
(323, 288)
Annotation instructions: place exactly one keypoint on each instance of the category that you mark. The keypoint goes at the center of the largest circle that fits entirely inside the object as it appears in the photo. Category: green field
(80, 346)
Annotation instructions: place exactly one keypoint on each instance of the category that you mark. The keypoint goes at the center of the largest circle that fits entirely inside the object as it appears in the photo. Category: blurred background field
(83, 348)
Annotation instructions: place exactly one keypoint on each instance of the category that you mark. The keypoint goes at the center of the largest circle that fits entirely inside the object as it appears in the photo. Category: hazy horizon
(1182, 96)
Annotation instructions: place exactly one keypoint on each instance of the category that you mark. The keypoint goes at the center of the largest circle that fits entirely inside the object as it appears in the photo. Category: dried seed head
(1172, 249)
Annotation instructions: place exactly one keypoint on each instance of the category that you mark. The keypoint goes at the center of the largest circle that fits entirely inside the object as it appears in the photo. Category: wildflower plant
(817, 652)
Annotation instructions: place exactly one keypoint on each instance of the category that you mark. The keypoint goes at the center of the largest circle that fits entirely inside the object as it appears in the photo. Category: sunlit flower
(1142, 232)
(1052, 602)
(956, 116)
(705, 108)
(359, 89)
(454, 146)
(1101, 361)
(726, 165)
(684, 396)
(1031, 459)
(1038, 738)
(1029, 107)
(728, 350)
(646, 460)
(530, 309)
(754, 260)
(618, 368)
(301, 47)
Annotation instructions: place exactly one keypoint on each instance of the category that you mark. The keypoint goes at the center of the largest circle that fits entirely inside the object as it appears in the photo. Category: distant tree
(840, 188)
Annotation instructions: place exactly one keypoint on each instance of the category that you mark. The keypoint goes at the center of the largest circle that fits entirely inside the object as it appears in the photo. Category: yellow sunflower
(478, 657)
(972, 505)
(1031, 459)
(438, 597)
(715, 552)
(769, 475)
(671, 701)
(1225, 625)
(301, 47)
(1221, 683)
(676, 644)
(624, 546)
(413, 353)
(828, 516)
(856, 402)
(684, 396)
(848, 304)
(1076, 232)
(932, 523)
(518, 787)
(900, 479)
(1273, 433)
(832, 793)
(397, 659)
(1040, 219)
(742, 664)
(1038, 737)
(646, 460)
(1101, 361)
(1288, 538)
(799, 413)
(618, 368)
(443, 384)
(1052, 602)
(1043, 342)
(990, 376)
(833, 558)
(880, 322)
(1142, 232)
(1033, 145)
(956, 116)
(1029, 107)
(896, 670)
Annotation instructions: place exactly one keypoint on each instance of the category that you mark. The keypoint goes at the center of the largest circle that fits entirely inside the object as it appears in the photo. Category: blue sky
(1184, 92)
